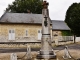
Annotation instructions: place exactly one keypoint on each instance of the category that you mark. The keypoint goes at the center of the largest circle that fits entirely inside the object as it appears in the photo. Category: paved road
(6, 50)
(71, 46)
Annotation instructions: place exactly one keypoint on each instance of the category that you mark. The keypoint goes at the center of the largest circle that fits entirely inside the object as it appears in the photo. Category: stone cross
(45, 4)
(13, 56)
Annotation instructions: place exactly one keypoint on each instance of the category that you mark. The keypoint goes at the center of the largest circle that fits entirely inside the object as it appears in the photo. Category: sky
(57, 8)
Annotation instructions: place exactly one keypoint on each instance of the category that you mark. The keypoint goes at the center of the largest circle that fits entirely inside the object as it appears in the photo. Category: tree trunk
(74, 38)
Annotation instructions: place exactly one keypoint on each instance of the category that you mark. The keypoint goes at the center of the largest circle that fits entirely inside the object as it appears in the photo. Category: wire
(72, 56)
(60, 50)
(24, 56)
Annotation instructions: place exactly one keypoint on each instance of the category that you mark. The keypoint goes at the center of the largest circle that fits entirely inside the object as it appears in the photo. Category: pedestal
(46, 51)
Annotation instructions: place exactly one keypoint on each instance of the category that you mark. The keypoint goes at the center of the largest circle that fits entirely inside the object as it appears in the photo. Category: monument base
(42, 55)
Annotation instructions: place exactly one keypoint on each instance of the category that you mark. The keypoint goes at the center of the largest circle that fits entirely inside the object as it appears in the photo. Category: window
(9, 31)
(38, 31)
(26, 33)
(11, 35)
(39, 34)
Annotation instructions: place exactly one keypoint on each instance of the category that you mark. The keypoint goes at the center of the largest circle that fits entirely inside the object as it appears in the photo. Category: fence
(61, 40)
(65, 38)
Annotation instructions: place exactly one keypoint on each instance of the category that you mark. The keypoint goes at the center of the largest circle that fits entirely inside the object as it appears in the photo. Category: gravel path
(71, 46)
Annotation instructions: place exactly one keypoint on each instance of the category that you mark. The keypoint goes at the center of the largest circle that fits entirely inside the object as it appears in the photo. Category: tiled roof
(31, 18)
(59, 25)
(21, 18)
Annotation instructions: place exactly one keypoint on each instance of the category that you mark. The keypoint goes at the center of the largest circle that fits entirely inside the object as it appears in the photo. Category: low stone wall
(58, 40)
(32, 45)
(18, 39)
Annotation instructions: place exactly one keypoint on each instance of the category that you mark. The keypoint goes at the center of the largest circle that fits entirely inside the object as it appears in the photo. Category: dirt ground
(75, 54)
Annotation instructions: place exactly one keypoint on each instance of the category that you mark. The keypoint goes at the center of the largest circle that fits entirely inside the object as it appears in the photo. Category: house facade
(60, 31)
(21, 27)
(58, 27)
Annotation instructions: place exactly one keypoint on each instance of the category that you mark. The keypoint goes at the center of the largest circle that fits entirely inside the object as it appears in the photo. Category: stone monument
(46, 51)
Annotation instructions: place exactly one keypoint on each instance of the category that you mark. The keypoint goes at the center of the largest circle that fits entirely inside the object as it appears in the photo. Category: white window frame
(39, 34)
(11, 34)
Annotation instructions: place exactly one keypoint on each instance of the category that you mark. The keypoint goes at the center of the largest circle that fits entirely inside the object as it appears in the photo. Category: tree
(73, 18)
(26, 6)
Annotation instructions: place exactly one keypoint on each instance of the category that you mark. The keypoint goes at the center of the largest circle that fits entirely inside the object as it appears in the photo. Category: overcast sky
(57, 8)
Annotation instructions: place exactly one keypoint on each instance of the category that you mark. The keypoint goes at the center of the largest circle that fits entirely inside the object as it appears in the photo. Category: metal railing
(65, 38)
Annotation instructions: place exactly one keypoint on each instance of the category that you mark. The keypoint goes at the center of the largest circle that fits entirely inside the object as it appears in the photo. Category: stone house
(22, 27)
(58, 27)
(60, 31)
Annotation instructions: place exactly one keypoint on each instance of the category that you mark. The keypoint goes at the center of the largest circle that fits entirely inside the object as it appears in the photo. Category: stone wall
(61, 40)
(20, 31)
(55, 34)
